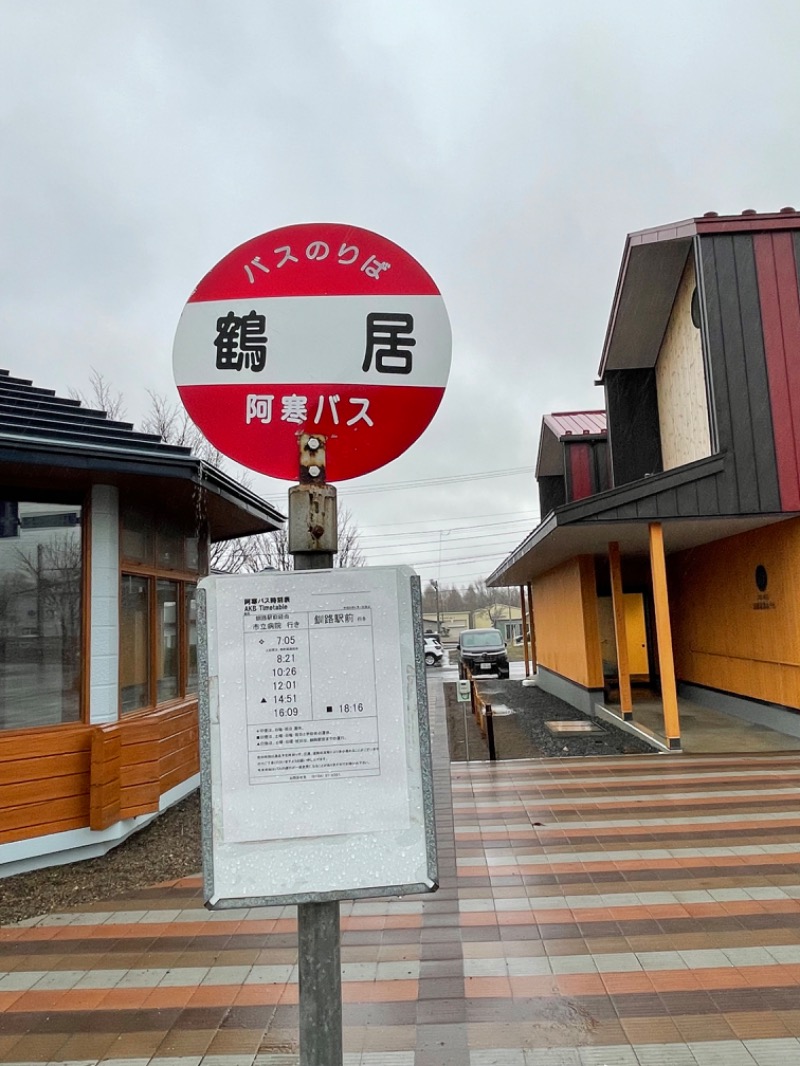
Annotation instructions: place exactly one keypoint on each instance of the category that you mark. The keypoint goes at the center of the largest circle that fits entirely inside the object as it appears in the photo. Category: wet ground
(591, 912)
(520, 714)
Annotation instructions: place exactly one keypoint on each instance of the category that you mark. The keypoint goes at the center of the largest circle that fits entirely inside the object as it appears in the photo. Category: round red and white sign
(316, 328)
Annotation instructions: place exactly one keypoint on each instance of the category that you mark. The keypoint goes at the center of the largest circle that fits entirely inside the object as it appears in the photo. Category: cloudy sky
(509, 147)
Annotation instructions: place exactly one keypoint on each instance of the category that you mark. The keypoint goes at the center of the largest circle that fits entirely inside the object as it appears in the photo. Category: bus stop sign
(314, 328)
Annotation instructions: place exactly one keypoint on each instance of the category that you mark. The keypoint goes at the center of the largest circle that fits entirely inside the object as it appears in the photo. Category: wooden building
(681, 570)
(104, 532)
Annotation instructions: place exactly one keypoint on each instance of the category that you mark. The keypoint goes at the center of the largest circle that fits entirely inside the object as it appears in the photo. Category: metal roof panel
(576, 423)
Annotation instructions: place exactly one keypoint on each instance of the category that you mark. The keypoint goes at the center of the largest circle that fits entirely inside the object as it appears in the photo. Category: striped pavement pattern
(635, 911)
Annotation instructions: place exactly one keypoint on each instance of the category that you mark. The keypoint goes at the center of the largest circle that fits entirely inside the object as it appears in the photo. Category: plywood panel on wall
(567, 627)
(681, 384)
(727, 633)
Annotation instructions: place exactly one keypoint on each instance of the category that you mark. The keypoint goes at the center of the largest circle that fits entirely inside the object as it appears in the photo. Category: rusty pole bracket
(313, 523)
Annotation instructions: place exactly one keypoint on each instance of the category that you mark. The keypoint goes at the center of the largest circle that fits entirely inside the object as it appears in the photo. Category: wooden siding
(739, 388)
(156, 751)
(53, 780)
(780, 314)
(104, 796)
(44, 782)
(726, 634)
(681, 383)
(567, 624)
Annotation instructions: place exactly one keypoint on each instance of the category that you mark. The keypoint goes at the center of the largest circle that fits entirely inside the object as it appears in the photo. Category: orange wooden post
(532, 629)
(524, 631)
(669, 694)
(620, 632)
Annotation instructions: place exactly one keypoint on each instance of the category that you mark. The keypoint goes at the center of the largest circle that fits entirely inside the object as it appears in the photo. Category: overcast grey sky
(509, 147)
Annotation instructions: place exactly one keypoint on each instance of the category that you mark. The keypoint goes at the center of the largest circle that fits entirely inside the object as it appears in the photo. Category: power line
(500, 554)
(412, 550)
(434, 541)
(437, 482)
(455, 518)
(453, 479)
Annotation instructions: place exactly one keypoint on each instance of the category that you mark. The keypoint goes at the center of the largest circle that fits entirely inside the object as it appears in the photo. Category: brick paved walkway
(627, 912)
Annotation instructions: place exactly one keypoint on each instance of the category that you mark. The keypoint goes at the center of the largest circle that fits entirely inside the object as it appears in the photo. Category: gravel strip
(524, 735)
(166, 849)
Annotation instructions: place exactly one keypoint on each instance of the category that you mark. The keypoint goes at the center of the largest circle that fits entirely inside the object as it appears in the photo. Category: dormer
(573, 458)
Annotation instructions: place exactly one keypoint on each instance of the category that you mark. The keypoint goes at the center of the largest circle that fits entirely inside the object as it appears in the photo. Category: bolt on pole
(313, 541)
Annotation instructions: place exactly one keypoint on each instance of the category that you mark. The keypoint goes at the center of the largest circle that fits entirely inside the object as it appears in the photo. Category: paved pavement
(634, 911)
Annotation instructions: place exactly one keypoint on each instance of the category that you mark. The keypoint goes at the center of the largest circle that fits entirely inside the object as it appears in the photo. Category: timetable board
(316, 765)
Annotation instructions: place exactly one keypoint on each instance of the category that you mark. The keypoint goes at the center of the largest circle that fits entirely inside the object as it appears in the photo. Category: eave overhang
(179, 483)
(653, 262)
(587, 526)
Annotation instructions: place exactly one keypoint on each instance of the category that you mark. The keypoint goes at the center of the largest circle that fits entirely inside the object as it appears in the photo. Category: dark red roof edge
(749, 222)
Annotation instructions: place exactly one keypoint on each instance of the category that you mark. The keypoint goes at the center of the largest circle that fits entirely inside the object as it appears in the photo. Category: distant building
(501, 616)
(104, 533)
(453, 622)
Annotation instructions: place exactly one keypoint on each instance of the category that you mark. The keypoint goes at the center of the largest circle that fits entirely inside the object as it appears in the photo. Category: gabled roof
(653, 262)
(41, 432)
(561, 426)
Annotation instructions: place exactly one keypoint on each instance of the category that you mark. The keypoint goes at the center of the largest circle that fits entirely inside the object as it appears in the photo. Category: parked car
(433, 652)
(483, 651)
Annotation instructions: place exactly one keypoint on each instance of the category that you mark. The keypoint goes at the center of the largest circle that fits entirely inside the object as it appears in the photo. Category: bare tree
(270, 551)
(12, 586)
(249, 555)
(171, 422)
(350, 553)
(429, 597)
(101, 396)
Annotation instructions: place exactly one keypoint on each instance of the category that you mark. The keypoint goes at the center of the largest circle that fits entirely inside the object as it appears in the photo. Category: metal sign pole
(320, 967)
(313, 541)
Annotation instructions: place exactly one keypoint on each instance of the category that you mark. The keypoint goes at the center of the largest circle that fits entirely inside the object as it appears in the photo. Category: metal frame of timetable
(211, 782)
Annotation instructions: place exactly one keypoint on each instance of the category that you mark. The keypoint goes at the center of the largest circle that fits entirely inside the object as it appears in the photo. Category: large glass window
(41, 580)
(167, 640)
(135, 643)
(158, 639)
(190, 609)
